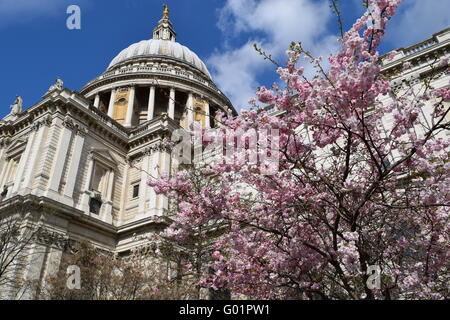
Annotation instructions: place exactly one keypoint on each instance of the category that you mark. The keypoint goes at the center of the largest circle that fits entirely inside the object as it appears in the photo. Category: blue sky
(37, 46)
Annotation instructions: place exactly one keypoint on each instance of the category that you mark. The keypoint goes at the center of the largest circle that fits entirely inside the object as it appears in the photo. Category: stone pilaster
(41, 127)
(24, 160)
(37, 259)
(160, 163)
(75, 163)
(143, 187)
(61, 156)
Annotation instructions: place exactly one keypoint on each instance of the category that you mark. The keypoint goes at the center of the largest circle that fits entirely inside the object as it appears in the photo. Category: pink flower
(217, 255)
(265, 96)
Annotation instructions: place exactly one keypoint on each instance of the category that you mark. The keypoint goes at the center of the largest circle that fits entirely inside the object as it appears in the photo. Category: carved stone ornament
(163, 145)
(133, 163)
(57, 86)
(52, 238)
(16, 107)
(68, 123)
(46, 121)
(79, 129)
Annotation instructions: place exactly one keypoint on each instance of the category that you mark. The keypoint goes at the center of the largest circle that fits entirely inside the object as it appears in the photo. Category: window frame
(135, 186)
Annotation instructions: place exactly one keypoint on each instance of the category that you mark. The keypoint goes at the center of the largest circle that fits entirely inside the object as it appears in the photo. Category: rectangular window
(136, 191)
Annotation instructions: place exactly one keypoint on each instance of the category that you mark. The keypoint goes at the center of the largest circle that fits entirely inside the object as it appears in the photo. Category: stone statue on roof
(57, 86)
(16, 107)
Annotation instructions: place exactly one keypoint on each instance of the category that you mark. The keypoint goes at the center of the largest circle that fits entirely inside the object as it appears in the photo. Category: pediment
(104, 156)
(16, 147)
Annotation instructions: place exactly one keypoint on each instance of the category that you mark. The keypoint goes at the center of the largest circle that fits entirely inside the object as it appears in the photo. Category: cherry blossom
(352, 190)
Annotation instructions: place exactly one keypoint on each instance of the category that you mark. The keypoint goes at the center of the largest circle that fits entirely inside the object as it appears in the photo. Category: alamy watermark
(74, 277)
(74, 20)
(374, 280)
(258, 149)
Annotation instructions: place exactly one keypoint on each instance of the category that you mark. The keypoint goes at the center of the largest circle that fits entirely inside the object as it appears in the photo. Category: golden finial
(166, 12)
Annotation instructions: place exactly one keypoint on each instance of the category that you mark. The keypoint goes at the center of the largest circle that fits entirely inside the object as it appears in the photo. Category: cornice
(211, 90)
(49, 207)
(79, 115)
(438, 49)
(153, 59)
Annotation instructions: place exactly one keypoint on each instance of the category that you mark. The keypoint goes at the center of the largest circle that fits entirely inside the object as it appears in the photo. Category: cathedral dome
(159, 47)
(155, 77)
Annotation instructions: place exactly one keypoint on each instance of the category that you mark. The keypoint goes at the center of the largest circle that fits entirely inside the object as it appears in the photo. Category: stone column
(62, 152)
(97, 101)
(75, 164)
(106, 214)
(111, 103)
(84, 205)
(151, 104)
(171, 111)
(24, 159)
(207, 116)
(130, 109)
(190, 109)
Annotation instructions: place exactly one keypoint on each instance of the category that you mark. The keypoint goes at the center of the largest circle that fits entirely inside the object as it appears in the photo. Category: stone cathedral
(81, 160)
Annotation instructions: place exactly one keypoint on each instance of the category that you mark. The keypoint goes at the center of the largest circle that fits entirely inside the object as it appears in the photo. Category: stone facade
(418, 64)
(83, 159)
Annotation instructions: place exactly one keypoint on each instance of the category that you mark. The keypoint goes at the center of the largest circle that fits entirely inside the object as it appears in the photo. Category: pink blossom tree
(361, 182)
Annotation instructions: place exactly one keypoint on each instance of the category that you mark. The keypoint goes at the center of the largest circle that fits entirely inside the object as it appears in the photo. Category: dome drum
(133, 105)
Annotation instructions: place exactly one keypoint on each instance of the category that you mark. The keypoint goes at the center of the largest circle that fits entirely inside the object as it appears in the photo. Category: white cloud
(417, 21)
(273, 24)
(235, 72)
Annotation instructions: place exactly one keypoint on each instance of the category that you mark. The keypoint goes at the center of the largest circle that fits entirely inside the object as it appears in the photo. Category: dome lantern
(164, 30)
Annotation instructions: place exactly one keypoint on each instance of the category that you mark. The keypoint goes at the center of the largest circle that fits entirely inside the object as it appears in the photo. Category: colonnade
(151, 106)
